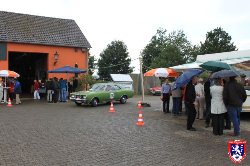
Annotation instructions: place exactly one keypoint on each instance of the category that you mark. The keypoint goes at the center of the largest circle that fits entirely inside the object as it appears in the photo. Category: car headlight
(72, 96)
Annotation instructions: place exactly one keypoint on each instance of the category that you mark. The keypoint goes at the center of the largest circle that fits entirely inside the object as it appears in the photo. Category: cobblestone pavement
(40, 133)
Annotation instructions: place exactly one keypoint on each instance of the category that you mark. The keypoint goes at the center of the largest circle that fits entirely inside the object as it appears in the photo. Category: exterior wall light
(56, 57)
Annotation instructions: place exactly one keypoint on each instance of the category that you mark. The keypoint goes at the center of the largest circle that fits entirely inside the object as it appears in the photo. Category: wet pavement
(41, 133)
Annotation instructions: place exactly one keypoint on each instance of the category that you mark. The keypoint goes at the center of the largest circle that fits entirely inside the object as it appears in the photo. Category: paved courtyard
(41, 133)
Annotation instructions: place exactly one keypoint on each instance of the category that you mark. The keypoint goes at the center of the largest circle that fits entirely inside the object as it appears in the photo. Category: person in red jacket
(36, 90)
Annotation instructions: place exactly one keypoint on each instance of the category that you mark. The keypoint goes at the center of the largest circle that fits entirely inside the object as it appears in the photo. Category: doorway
(30, 66)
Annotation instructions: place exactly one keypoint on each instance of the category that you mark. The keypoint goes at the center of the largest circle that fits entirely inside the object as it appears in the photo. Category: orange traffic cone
(140, 119)
(111, 109)
(139, 106)
(9, 103)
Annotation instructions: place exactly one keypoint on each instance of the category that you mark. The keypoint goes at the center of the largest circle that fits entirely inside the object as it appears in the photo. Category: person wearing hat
(200, 99)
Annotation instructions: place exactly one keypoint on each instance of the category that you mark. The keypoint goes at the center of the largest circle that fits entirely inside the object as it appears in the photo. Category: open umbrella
(8, 73)
(186, 77)
(215, 66)
(161, 72)
(67, 69)
(225, 73)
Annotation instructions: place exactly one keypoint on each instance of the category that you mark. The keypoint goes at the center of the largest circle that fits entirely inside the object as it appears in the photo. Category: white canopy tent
(233, 57)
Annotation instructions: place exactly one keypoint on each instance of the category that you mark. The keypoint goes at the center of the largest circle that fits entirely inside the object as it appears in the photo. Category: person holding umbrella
(234, 95)
(189, 77)
(190, 97)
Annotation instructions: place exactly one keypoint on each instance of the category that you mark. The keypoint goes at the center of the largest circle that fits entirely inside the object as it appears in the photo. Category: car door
(117, 92)
(106, 93)
(100, 93)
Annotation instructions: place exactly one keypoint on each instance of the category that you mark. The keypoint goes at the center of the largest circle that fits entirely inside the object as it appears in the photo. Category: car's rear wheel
(94, 102)
(123, 99)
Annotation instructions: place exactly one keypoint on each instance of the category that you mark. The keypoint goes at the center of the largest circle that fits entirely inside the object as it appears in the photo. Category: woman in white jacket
(218, 108)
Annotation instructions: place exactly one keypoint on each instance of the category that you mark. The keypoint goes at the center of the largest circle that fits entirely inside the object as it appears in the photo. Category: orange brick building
(32, 45)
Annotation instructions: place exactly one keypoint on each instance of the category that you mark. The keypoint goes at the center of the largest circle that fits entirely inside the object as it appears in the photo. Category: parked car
(101, 93)
(155, 90)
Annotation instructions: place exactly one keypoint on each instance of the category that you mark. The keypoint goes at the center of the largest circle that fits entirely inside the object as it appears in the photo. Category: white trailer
(246, 104)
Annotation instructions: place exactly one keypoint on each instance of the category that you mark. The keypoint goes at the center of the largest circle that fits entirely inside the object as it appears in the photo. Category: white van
(246, 104)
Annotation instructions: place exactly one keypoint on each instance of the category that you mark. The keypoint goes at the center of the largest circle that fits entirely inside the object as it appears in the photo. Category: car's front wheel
(123, 100)
(94, 102)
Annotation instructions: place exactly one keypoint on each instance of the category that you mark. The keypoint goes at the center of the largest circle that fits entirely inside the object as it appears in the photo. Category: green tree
(91, 64)
(85, 81)
(217, 41)
(153, 49)
(172, 49)
(114, 60)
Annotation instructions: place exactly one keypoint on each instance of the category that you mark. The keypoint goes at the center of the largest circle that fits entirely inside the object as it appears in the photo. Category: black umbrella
(225, 73)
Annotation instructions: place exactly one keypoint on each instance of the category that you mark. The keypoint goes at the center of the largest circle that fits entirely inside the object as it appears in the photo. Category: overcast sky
(136, 21)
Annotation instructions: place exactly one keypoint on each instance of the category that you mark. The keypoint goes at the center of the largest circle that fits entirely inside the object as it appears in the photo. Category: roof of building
(24, 28)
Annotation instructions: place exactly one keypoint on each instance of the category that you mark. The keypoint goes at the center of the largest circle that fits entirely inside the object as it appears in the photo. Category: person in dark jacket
(17, 91)
(234, 95)
(190, 96)
(208, 101)
(226, 116)
(49, 89)
(75, 84)
(55, 88)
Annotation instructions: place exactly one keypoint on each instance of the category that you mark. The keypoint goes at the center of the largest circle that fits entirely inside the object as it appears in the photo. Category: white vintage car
(246, 104)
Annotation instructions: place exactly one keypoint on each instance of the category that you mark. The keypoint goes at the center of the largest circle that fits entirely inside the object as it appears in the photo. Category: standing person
(226, 116)
(63, 88)
(49, 90)
(17, 90)
(190, 103)
(176, 95)
(36, 90)
(218, 108)
(5, 90)
(56, 89)
(11, 90)
(200, 99)
(75, 84)
(70, 89)
(165, 91)
(1, 89)
(234, 95)
(208, 100)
